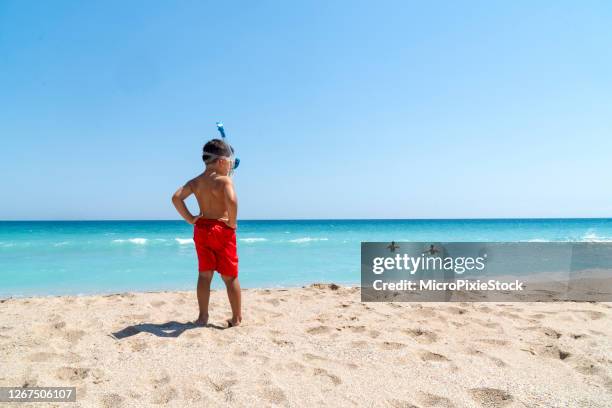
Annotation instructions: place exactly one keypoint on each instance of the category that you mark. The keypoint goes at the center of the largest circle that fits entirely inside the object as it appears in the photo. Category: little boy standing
(214, 230)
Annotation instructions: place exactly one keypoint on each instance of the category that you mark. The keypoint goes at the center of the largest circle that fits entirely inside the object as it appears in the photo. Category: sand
(313, 346)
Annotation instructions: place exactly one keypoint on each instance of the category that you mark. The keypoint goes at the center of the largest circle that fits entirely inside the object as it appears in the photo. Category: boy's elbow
(232, 200)
(175, 198)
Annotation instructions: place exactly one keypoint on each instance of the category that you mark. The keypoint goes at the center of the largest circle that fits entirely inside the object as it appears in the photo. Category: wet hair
(215, 147)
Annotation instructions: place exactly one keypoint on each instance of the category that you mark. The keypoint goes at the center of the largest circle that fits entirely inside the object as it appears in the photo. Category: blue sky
(341, 109)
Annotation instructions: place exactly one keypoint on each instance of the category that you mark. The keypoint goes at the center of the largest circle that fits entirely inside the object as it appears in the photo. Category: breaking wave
(137, 241)
(250, 240)
(306, 239)
(184, 241)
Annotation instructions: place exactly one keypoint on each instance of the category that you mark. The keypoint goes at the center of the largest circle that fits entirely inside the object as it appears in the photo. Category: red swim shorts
(215, 245)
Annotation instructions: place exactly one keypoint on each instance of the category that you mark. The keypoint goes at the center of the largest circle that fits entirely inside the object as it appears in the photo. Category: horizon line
(318, 219)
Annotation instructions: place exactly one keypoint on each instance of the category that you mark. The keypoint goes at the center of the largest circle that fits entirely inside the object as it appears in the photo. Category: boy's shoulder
(223, 182)
(223, 179)
(216, 179)
(196, 179)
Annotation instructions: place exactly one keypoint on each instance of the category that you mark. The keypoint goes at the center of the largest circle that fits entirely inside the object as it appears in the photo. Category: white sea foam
(588, 237)
(251, 240)
(592, 237)
(184, 241)
(63, 243)
(306, 239)
(137, 241)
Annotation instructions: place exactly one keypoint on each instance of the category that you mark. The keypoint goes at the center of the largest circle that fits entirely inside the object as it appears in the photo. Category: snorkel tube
(220, 129)
(222, 132)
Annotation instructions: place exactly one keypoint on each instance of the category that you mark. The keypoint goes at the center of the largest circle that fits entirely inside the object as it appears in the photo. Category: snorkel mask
(234, 161)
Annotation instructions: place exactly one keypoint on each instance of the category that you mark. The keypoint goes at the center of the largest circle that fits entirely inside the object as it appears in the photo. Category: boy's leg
(233, 293)
(203, 291)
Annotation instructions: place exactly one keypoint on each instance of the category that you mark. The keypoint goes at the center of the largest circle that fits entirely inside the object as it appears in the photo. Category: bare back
(209, 190)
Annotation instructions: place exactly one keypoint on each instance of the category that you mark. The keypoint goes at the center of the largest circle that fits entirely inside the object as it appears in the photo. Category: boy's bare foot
(233, 322)
(202, 320)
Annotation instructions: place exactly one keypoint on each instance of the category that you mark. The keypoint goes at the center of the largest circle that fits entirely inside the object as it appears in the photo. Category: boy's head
(218, 154)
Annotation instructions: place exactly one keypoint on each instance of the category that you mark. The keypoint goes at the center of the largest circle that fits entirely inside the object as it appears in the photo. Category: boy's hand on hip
(226, 222)
(194, 219)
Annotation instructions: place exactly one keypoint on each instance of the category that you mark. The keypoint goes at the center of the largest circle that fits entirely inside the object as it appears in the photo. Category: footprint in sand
(391, 345)
(394, 305)
(430, 356)
(273, 301)
(73, 336)
(374, 334)
(313, 357)
(546, 331)
(192, 395)
(295, 366)
(510, 315)
(497, 361)
(319, 330)
(72, 373)
(549, 350)
(395, 403)
(274, 394)
(222, 384)
(355, 329)
(71, 357)
(335, 380)
(485, 323)
(360, 344)
(494, 342)
(111, 400)
(161, 379)
(29, 380)
(433, 400)
(283, 343)
(421, 335)
(59, 325)
(139, 345)
(456, 310)
(97, 376)
(158, 303)
(491, 397)
(163, 395)
(592, 314)
(585, 366)
(425, 312)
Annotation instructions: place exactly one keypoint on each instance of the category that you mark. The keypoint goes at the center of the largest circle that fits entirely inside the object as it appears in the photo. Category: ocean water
(83, 257)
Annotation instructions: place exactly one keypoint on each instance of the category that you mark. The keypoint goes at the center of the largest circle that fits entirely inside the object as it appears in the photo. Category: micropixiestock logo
(486, 271)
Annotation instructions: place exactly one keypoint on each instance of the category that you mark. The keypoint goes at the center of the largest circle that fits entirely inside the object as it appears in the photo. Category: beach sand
(313, 346)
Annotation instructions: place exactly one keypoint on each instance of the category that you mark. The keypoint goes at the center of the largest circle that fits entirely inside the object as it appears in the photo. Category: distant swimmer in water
(393, 246)
(432, 250)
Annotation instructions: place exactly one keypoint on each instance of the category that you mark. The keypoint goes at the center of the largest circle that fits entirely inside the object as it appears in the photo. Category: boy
(214, 231)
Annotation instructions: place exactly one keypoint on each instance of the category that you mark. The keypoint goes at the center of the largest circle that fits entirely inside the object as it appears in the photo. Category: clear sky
(337, 109)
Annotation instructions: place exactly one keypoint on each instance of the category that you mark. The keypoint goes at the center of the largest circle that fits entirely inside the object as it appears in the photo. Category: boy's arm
(178, 199)
(231, 202)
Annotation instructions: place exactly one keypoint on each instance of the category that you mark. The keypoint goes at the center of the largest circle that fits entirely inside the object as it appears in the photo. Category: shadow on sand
(168, 329)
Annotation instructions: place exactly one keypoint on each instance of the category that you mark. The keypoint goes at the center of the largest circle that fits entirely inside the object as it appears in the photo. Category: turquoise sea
(82, 257)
